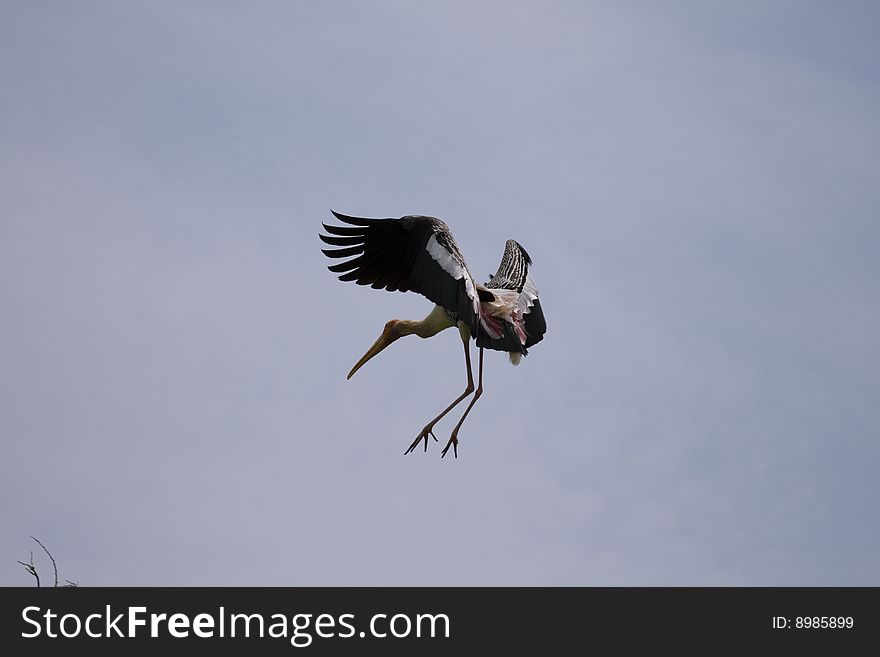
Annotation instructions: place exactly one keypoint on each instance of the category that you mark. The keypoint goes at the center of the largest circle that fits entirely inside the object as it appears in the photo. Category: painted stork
(418, 254)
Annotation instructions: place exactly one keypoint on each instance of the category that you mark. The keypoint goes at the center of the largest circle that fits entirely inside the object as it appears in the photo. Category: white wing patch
(500, 309)
(527, 297)
(454, 268)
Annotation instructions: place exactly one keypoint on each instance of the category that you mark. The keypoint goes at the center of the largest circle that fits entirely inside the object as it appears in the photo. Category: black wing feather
(344, 253)
(343, 230)
(340, 241)
(393, 254)
(535, 325)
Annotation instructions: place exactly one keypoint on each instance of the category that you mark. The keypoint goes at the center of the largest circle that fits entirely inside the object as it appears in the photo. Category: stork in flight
(418, 254)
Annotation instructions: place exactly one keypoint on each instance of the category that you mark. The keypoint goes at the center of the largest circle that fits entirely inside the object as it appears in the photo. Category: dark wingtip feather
(344, 266)
(342, 241)
(344, 231)
(354, 221)
(343, 253)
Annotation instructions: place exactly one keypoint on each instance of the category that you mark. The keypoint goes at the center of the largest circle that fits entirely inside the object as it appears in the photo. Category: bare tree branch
(31, 568)
(51, 558)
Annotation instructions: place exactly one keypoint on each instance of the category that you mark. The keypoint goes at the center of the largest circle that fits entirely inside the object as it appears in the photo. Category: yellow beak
(389, 335)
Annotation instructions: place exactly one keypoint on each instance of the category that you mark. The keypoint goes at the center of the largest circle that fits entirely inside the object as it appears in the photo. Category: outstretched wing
(513, 270)
(513, 274)
(409, 254)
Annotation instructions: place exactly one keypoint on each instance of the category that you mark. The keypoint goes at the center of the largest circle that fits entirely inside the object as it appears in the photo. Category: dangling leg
(453, 440)
(428, 430)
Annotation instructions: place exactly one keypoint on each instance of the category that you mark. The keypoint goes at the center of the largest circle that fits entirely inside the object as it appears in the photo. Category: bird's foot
(453, 442)
(423, 435)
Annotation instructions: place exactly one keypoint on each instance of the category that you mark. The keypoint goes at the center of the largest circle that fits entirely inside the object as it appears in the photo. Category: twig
(54, 565)
(31, 568)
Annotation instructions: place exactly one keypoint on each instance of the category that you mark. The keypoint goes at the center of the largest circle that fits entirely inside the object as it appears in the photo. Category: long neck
(436, 321)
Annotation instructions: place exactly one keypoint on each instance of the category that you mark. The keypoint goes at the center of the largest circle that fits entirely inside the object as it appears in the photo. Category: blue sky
(698, 185)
